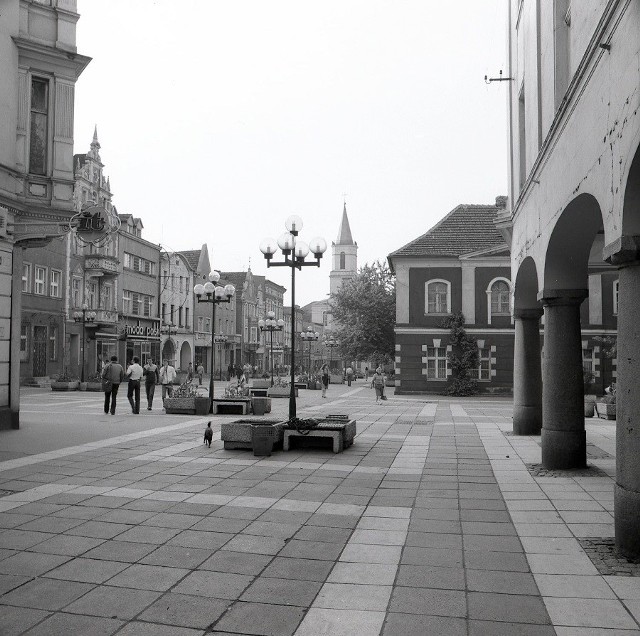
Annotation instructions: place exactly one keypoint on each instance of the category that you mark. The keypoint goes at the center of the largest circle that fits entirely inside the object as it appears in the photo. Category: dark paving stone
(148, 577)
(220, 585)
(15, 539)
(31, 563)
(432, 602)
(277, 591)
(492, 544)
(333, 521)
(272, 529)
(261, 620)
(16, 620)
(507, 607)
(51, 524)
(312, 550)
(482, 504)
(436, 526)
(185, 611)
(433, 540)
(121, 551)
(298, 569)
(326, 534)
(217, 524)
(286, 516)
(485, 515)
(176, 557)
(98, 530)
(435, 514)
(200, 539)
(170, 520)
(492, 529)
(148, 534)
(502, 582)
(236, 562)
(444, 557)
(46, 594)
(154, 629)
(506, 561)
(431, 576)
(10, 582)
(87, 570)
(61, 624)
(491, 628)
(236, 512)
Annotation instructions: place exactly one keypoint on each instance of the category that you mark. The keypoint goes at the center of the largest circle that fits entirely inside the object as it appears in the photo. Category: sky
(219, 119)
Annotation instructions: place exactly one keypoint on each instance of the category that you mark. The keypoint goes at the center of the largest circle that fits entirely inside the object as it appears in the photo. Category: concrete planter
(180, 406)
(238, 434)
(91, 386)
(280, 392)
(606, 411)
(261, 383)
(202, 405)
(390, 382)
(65, 386)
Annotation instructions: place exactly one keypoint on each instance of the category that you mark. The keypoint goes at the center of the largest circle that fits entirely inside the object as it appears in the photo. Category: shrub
(463, 357)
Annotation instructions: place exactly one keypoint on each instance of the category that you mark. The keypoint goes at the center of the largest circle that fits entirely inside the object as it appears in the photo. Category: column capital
(623, 251)
(558, 297)
(534, 313)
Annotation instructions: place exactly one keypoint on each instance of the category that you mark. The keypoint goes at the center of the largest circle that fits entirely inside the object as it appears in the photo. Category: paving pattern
(431, 523)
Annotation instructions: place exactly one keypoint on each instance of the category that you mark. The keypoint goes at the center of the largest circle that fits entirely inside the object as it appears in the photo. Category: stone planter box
(340, 431)
(91, 386)
(65, 386)
(237, 435)
(201, 405)
(180, 406)
(280, 392)
(261, 383)
(606, 411)
(314, 386)
(589, 405)
(390, 382)
(336, 378)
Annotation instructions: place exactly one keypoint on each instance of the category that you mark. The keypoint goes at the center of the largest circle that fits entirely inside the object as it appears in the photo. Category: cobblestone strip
(463, 569)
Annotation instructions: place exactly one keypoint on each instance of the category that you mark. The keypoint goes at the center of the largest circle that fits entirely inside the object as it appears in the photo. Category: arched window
(498, 298)
(343, 260)
(438, 297)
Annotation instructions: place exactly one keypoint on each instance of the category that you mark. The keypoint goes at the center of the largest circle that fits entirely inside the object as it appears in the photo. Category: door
(39, 351)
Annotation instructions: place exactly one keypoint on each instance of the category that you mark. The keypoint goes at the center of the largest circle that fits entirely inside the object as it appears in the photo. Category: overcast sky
(218, 119)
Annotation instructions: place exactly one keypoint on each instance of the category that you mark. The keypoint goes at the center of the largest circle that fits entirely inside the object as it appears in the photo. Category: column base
(564, 449)
(9, 419)
(627, 522)
(527, 420)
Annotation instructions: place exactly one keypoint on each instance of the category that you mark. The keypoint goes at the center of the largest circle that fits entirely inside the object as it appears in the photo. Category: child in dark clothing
(208, 434)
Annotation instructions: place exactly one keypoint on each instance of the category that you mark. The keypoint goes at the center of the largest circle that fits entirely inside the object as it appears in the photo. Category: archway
(169, 351)
(625, 253)
(185, 355)
(566, 274)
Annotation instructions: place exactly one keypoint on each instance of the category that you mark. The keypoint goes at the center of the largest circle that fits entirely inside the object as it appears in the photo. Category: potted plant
(93, 383)
(606, 406)
(183, 400)
(65, 382)
(589, 400)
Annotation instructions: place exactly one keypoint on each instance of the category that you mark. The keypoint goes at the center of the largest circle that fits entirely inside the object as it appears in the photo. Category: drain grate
(602, 552)
(538, 470)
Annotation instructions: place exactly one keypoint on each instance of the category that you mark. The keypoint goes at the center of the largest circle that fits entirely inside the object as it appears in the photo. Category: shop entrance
(39, 351)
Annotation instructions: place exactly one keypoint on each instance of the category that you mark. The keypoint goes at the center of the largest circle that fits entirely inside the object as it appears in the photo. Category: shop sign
(145, 332)
(94, 224)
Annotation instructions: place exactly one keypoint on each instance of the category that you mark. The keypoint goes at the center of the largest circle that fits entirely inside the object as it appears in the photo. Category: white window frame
(26, 281)
(489, 303)
(441, 353)
(54, 286)
(127, 301)
(37, 281)
(487, 357)
(616, 290)
(426, 297)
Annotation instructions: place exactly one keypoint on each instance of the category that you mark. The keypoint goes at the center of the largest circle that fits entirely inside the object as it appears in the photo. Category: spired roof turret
(344, 231)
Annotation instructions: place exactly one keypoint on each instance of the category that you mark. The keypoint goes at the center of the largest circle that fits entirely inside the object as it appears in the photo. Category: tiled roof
(192, 257)
(467, 228)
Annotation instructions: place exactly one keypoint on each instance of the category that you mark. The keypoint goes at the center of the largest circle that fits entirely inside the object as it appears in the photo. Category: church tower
(345, 255)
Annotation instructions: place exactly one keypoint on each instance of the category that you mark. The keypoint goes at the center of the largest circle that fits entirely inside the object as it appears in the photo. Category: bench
(231, 406)
(237, 435)
(341, 433)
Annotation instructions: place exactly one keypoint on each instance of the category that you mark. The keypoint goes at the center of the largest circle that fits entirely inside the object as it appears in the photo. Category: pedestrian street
(435, 521)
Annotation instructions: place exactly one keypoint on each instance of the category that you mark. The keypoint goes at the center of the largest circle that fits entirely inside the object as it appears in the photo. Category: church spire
(95, 141)
(344, 231)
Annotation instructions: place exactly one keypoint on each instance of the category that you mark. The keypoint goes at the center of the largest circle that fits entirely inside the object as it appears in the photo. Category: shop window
(39, 126)
(438, 297)
(24, 342)
(54, 283)
(40, 281)
(26, 278)
(53, 343)
(436, 363)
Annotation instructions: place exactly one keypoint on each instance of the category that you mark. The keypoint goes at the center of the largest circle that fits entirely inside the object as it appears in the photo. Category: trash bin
(202, 405)
(262, 438)
(259, 405)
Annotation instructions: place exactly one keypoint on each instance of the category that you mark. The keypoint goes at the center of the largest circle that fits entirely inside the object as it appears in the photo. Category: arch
(169, 351)
(567, 258)
(185, 355)
(631, 201)
(433, 305)
(489, 291)
(525, 292)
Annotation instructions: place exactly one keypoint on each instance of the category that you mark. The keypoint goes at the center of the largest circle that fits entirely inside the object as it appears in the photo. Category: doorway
(39, 351)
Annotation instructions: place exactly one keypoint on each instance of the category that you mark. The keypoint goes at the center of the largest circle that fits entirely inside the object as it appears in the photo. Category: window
(616, 284)
(92, 296)
(40, 286)
(164, 312)
(180, 315)
(127, 302)
(200, 323)
(438, 294)
(107, 297)
(343, 260)
(172, 314)
(254, 334)
(54, 283)
(483, 372)
(53, 343)
(436, 363)
(146, 301)
(186, 317)
(522, 137)
(39, 126)
(76, 292)
(26, 278)
(24, 342)
(207, 325)
(587, 360)
(500, 294)
(138, 264)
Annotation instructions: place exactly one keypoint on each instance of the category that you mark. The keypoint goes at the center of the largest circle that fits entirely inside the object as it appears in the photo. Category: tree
(463, 357)
(364, 309)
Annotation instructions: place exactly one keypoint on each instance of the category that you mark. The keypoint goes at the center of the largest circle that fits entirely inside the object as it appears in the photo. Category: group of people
(377, 380)
(114, 374)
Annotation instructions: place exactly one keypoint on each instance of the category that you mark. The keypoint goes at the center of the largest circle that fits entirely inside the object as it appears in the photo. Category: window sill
(440, 314)
(437, 379)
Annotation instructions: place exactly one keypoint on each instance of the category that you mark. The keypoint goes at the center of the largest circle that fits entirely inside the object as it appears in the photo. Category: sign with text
(140, 331)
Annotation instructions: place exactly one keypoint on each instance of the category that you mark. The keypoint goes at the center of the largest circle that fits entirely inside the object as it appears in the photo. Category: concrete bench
(341, 434)
(231, 406)
(237, 435)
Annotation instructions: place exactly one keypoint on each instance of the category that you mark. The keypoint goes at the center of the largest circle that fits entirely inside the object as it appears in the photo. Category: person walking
(377, 382)
(190, 373)
(134, 373)
(200, 372)
(324, 378)
(366, 373)
(112, 376)
(151, 378)
(349, 375)
(167, 376)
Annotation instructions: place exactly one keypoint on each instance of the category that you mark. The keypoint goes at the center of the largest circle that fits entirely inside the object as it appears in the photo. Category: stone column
(563, 433)
(626, 254)
(527, 373)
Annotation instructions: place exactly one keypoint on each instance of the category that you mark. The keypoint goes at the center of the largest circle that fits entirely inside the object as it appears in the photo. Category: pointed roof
(344, 231)
(467, 228)
(192, 257)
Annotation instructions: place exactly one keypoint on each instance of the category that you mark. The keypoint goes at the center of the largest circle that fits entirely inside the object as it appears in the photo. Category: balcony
(100, 265)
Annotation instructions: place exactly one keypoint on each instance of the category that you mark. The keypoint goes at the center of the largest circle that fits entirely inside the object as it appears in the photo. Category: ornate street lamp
(309, 336)
(332, 343)
(83, 316)
(270, 324)
(214, 294)
(294, 252)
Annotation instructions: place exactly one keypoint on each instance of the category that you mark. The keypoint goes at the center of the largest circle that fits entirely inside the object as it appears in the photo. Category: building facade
(39, 66)
(574, 130)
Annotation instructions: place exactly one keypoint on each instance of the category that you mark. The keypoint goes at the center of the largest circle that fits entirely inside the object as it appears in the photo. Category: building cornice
(50, 57)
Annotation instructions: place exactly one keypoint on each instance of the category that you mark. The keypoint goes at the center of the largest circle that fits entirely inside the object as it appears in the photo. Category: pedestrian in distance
(112, 376)
(324, 375)
(200, 372)
(377, 382)
(208, 434)
(167, 376)
(134, 373)
(151, 378)
(190, 373)
(366, 373)
(349, 375)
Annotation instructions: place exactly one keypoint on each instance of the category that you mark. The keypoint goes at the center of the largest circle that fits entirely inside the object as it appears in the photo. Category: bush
(463, 357)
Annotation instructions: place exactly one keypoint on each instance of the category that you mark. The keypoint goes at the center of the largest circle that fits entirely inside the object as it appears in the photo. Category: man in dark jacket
(114, 373)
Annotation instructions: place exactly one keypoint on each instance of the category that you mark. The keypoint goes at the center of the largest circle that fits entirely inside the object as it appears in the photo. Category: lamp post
(221, 339)
(269, 325)
(84, 316)
(214, 294)
(294, 252)
(332, 343)
(309, 336)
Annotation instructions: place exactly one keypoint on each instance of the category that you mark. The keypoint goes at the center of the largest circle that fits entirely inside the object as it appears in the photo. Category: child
(208, 434)
(377, 382)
